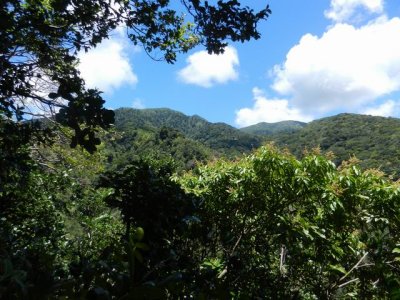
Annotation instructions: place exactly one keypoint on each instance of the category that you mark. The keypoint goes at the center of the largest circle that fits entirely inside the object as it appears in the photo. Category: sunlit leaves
(304, 220)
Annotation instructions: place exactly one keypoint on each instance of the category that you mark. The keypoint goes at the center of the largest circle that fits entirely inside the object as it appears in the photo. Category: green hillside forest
(375, 141)
(274, 128)
(171, 206)
(101, 204)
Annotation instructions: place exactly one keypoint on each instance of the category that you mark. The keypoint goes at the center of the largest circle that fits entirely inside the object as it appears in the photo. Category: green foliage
(373, 140)
(163, 143)
(221, 138)
(264, 226)
(144, 193)
(50, 216)
(274, 128)
(268, 225)
(282, 228)
(31, 237)
(58, 239)
(156, 213)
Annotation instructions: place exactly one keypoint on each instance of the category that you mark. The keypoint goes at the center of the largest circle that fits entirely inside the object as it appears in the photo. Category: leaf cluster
(284, 228)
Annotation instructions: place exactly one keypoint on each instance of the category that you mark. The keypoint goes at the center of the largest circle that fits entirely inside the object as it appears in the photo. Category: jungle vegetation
(87, 211)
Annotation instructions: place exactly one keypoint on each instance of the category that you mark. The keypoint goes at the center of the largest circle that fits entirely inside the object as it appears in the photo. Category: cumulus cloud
(387, 109)
(206, 70)
(347, 67)
(349, 10)
(268, 110)
(107, 67)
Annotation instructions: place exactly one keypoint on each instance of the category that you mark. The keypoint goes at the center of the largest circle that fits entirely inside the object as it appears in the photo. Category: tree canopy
(275, 227)
(77, 226)
(40, 41)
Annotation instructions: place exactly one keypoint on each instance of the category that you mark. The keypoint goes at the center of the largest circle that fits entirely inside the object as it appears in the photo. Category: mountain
(217, 136)
(373, 140)
(264, 128)
(165, 133)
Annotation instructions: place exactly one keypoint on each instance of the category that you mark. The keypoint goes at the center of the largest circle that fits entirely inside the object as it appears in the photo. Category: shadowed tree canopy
(40, 41)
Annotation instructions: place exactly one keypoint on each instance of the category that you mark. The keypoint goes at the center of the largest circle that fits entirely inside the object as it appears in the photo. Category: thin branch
(348, 282)
(282, 258)
(48, 166)
(237, 242)
(355, 266)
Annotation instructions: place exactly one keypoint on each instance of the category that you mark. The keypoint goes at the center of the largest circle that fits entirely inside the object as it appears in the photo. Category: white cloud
(268, 110)
(347, 67)
(207, 70)
(138, 104)
(107, 66)
(387, 109)
(349, 10)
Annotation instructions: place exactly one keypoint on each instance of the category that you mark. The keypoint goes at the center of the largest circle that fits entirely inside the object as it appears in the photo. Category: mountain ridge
(217, 136)
(374, 140)
(264, 128)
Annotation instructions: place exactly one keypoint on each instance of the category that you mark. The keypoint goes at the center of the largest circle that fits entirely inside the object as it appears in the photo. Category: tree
(280, 228)
(40, 40)
(157, 214)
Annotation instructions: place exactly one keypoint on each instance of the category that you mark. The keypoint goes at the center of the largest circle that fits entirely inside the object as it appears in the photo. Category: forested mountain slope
(264, 128)
(219, 137)
(373, 140)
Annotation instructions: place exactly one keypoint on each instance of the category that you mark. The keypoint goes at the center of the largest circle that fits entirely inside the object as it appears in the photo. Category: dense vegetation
(219, 137)
(126, 222)
(280, 228)
(274, 128)
(120, 219)
(164, 133)
(375, 141)
(265, 226)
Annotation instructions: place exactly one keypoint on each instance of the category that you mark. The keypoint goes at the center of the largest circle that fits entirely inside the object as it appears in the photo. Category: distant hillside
(264, 128)
(217, 136)
(373, 140)
(164, 133)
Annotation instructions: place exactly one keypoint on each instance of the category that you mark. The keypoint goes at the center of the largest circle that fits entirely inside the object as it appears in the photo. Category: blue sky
(315, 58)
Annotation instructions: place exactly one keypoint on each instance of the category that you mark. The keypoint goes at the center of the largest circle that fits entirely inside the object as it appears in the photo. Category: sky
(315, 58)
